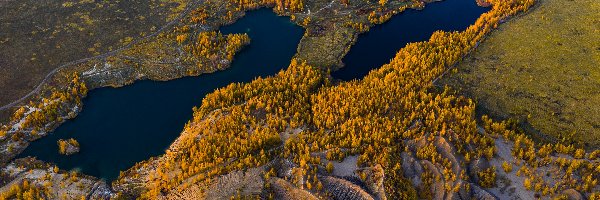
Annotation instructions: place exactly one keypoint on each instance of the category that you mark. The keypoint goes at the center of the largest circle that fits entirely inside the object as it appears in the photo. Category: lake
(118, 127)
(378, 46)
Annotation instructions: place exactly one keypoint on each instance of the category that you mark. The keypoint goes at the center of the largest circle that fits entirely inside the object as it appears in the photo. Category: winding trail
(101, 56)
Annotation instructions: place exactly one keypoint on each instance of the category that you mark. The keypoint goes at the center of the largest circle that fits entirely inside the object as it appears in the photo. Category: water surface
(122, 126)
(378, 46)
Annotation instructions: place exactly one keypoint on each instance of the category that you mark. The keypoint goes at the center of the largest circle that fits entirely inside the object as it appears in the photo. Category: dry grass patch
(542, 68)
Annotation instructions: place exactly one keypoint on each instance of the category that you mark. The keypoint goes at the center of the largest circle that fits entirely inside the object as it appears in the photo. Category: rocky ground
(284, 179)
(68, 147)
(55, 183)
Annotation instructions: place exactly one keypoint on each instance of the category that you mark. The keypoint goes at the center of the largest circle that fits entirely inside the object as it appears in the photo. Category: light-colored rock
(246, 183)
(573, 194)
(341, 189)
(477, 165)
(462, 193)
(374, 181)
(285, 190)
(480, 194)
(412, 169)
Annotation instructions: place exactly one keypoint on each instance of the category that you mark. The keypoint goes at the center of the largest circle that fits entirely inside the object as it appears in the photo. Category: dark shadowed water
(119, 127)
(378, 46)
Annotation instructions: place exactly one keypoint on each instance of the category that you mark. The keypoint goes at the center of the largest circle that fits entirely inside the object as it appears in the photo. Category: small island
(68, 147)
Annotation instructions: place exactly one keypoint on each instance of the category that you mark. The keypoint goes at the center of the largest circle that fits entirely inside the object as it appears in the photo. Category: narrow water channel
(122, 126)
(378, 46)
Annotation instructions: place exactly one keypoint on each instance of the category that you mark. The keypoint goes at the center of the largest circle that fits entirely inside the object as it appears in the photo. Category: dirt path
(101, 56)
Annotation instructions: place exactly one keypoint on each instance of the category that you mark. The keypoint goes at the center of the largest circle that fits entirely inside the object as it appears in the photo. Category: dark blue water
(378, 46)
(119, 127)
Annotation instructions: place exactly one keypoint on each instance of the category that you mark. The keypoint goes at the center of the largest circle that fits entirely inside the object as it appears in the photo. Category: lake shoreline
(110, 75)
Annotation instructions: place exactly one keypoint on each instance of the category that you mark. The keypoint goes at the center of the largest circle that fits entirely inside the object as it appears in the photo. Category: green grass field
(542, 68)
